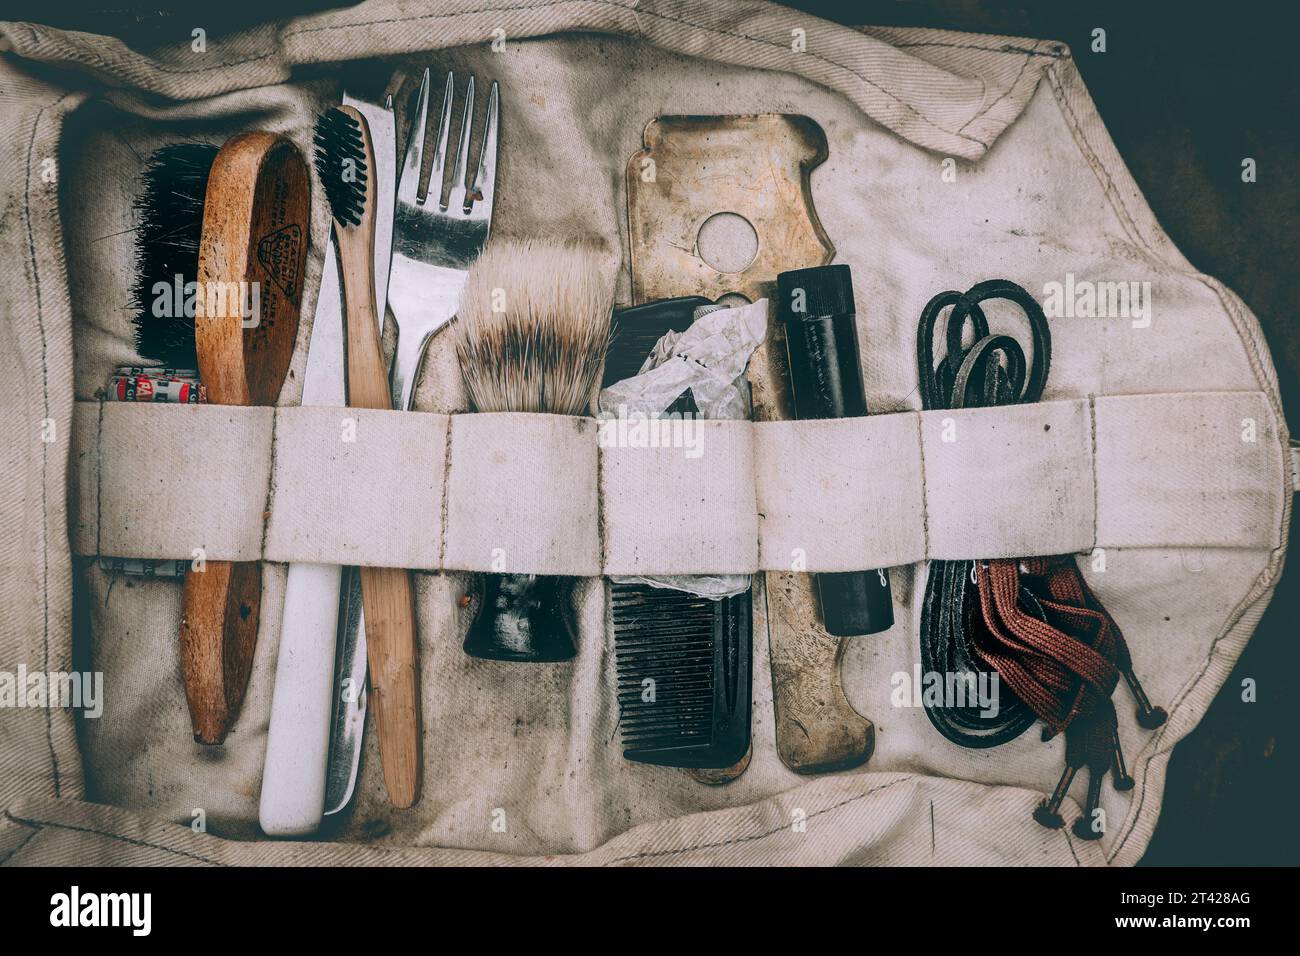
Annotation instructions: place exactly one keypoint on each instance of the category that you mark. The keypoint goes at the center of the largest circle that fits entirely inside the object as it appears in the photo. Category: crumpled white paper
(709, 358)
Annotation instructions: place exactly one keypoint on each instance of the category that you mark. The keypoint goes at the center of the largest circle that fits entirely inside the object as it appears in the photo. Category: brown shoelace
(1032, 621)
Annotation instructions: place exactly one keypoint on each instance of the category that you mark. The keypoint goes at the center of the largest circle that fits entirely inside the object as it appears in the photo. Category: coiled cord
(973, 376)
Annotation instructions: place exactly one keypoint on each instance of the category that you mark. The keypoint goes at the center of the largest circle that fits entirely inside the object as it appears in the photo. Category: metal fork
(434, 243)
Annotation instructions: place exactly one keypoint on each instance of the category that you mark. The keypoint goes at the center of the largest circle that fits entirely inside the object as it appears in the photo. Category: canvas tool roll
(1157, 454)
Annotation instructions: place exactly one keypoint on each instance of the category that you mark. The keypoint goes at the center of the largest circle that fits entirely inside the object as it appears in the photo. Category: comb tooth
(660, 746)
(665, 690)
(645, 639)
(666, 651)
(686, 717)
(676, 657)
(671, 638)
(693, 716)
(680, 623)
(663, 678)
(629, 682)
(661, 742)
(664, 700)
(676, 713)
(669, 735)
(699, 713)
(636, 682)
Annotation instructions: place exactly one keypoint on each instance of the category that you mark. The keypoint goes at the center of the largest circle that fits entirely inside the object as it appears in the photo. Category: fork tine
(458, 199)
(408, 187)
(444, 130)
(486, 176)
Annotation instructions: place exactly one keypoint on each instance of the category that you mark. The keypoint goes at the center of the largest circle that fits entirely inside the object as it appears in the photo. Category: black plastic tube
(816, 309)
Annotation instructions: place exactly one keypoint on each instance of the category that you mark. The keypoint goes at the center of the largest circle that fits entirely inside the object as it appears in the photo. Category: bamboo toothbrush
(344, 161)
(234, 221)
(542, 353)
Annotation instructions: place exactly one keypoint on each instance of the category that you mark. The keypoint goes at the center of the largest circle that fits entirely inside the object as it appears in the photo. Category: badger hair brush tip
(533, 327)
(531, 335)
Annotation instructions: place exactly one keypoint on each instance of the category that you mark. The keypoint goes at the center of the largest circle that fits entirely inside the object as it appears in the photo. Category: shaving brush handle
(524, 617)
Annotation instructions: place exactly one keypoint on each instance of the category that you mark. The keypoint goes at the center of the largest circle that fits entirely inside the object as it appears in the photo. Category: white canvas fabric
(1195, 517)
(546, 494)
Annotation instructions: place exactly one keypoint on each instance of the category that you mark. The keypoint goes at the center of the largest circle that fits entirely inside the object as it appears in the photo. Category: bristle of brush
(170, 214)
(341, 165)
(533, 327)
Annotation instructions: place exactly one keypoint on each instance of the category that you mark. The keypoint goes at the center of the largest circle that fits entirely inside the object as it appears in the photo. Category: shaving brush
(531, 335)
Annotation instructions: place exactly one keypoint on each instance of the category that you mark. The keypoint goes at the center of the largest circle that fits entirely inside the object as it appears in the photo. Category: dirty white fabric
(1039, 194)
(519, 492)
(513, 471)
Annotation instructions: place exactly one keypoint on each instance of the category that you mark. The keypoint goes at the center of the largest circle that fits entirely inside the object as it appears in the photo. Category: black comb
(684, 679)
(170, 213)
(684, 662)
(341, 165)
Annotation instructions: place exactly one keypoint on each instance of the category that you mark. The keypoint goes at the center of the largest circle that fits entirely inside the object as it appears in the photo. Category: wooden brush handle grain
(219, 615)
(386, 594)
(255, 219)
(389, 605)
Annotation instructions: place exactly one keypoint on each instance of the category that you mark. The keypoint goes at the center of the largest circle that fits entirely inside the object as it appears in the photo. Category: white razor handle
(297, 745)
(303, 701)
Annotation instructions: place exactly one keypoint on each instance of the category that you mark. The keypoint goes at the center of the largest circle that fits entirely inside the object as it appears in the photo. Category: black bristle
(170, 213)
(341, 165)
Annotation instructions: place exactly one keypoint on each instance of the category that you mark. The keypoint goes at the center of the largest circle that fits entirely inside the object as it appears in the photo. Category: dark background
(1187, 91)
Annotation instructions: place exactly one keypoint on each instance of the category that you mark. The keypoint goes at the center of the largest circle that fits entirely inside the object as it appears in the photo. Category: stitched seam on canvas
(45, 398)
(1096, 494)
(19, 848)
(1024, 65)
(602, 535)
(925, 496)
(99, 476)
(1263, 581)
(270, 485)
(114, 836)
(650, 854)
(102, 62)
(92, 58)
(1065, 831)
(1009, 50)
(445, 504)
(661, 16)
(1094, 163)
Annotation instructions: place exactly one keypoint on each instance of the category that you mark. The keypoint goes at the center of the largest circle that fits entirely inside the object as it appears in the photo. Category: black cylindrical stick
(816, 308)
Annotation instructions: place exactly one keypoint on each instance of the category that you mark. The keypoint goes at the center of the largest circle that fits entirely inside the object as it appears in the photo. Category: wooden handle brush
(344, 161)
(233, 222)
(543, 353)
(255, 228)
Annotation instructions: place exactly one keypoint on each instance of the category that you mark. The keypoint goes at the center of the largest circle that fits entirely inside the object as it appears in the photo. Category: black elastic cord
(991, 370)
